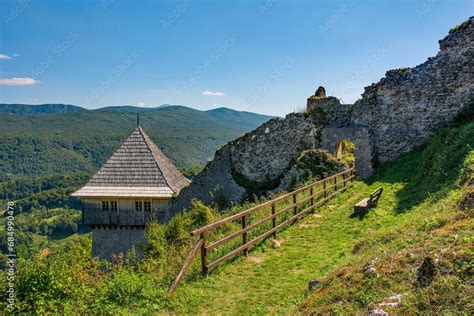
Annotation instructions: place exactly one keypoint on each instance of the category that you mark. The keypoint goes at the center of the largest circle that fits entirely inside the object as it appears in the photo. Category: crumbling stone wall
(404, 108)
(265, 153)
(393, 116)
(109, 241)
(259, 157)
(360, 137)
(217, 175)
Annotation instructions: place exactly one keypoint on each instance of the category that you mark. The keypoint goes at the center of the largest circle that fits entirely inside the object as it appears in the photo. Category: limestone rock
(467, 200)
(313, 284)
(275, 244)
(369, 270)
(426, 272)
(377, 312)
(391, 301)
(388, 302)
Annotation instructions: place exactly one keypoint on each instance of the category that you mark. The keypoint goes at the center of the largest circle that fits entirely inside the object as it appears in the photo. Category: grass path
(421, 194)
(275, 280)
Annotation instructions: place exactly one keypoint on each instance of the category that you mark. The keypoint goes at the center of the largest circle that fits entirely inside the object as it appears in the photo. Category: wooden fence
(330, 187)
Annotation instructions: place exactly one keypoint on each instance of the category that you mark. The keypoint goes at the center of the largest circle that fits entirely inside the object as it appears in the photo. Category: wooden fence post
(343, 179)
(204, 256)
(274, 220)
(324, 188)
(244, 235)
(186, 266)
(352, 173)
(312, 198)
(335, 184)
(295, 208)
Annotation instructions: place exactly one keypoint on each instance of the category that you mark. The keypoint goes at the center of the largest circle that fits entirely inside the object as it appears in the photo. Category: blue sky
(265, 56)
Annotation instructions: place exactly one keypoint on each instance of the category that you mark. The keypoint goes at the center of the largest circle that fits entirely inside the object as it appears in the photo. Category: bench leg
(360, 209)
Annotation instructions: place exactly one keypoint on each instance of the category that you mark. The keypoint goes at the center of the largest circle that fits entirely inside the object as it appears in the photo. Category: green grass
(417, 217)
(420, 195)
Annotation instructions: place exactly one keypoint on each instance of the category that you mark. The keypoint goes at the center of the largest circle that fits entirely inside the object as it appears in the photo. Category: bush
(318, 164)
(219, 199)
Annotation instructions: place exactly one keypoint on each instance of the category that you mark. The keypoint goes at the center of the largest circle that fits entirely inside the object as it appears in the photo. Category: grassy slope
(417, 214)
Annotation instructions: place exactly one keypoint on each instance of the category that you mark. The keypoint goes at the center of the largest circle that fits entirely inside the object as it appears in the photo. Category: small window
(138, 206)
(105, 205)
(147, 205)
(113, 206)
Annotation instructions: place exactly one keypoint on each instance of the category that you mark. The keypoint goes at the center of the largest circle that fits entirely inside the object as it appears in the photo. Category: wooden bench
(369, 202)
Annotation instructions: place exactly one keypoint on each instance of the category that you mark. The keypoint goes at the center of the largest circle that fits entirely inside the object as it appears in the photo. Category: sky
(264, 56)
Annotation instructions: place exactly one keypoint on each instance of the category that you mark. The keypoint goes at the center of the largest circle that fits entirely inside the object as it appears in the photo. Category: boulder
(426, 272)
(313, 284)
(369, 270)
(275, 244)
(377, 312)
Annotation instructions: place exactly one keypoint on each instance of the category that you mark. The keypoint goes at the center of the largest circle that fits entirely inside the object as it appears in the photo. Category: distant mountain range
(41, 140)
(41, 109)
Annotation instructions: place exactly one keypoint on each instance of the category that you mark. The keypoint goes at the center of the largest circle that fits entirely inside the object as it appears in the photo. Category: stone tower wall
(109, 241)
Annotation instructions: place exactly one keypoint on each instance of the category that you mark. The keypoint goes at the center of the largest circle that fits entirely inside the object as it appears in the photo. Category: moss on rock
(318, 163)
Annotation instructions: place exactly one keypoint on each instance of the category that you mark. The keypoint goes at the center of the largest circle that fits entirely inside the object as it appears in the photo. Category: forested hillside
(41, 109)
(49, 151)
(45, 157)
(60, 143)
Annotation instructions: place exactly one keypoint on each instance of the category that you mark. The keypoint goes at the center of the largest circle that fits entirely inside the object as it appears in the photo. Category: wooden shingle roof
(138, 168)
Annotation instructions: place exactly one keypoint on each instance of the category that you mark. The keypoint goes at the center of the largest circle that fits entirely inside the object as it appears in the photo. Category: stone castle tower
(133, 186)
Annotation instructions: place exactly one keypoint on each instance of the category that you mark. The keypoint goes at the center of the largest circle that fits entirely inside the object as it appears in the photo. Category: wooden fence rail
(330, 188)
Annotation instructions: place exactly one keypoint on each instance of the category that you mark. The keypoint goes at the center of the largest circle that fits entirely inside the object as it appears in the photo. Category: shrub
(318, 164)
(219, 199)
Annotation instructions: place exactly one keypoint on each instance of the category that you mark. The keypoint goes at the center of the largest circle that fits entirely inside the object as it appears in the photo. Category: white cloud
(140, 104)
(18, 82)
(4, 56)
(212, 94)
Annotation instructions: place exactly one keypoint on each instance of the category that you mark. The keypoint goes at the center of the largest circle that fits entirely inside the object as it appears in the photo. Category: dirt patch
(255, 259)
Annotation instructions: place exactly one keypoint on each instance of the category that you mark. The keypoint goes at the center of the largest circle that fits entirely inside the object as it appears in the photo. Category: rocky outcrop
(265, 153)
(257, 161)
(404, 108)
(393, 116)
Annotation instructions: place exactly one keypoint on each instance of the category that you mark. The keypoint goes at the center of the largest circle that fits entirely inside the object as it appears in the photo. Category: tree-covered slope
(237, 118)
(64, 143)
(40, 109)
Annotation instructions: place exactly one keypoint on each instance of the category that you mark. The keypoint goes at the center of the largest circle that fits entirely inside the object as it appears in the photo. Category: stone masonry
(259, 156)
(393, 116)
(107, 241)
(404, 107)
(360, 137)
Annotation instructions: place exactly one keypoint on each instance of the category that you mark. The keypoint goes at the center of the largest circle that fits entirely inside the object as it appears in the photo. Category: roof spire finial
(138, 119)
